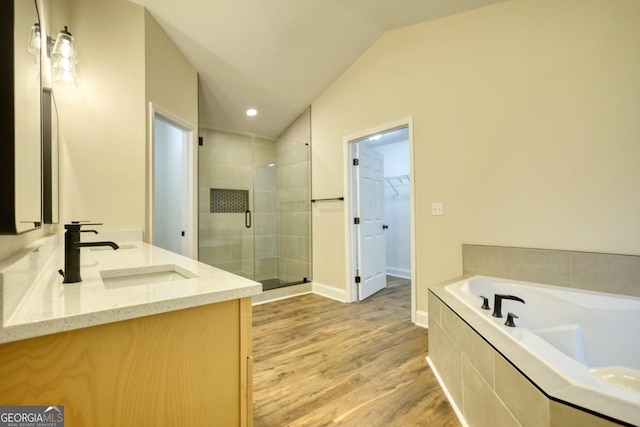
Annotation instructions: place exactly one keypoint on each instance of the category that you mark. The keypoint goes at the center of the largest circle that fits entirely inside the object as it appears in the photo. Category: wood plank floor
(318, 362)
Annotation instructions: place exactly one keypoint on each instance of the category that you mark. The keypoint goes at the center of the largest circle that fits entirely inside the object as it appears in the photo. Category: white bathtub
(589, 338)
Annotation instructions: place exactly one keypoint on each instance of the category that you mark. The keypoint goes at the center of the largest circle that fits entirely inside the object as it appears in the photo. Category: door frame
(349, 200)
(190, 245)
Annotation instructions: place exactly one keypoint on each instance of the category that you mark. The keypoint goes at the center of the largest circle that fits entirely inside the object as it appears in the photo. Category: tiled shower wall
(226, 161)
(279, 199)
(294, 219)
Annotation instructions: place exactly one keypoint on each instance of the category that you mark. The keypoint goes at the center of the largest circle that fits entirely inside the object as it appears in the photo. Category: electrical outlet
(437, 208)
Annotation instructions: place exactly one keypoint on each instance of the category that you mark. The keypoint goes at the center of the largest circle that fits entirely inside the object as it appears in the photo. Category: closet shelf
(397, 180)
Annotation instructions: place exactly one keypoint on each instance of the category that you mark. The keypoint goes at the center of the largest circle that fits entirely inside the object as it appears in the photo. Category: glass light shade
(34, 40)
(65, 72)
(65, 47)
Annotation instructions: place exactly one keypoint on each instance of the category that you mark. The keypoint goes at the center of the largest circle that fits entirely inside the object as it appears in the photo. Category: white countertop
(35, 302)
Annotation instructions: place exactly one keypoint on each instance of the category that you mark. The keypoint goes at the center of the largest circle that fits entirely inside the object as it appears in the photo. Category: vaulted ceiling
(278, 56)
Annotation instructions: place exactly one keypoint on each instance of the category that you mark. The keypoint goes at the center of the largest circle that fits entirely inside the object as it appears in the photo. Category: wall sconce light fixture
(65, 58)
(63, 51)
(34, 44)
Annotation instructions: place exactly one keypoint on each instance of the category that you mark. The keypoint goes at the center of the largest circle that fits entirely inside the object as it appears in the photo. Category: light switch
(437, 208)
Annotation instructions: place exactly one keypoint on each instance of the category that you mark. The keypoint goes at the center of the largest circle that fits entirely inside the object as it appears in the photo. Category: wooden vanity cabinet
(189, 367)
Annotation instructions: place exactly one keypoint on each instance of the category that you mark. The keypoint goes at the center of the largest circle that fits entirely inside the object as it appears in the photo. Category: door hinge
(356, 220)
(357, 279)
(200, 141)
(356, 162)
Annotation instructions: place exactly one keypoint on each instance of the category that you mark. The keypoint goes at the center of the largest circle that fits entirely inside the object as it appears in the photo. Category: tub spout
(497, 303)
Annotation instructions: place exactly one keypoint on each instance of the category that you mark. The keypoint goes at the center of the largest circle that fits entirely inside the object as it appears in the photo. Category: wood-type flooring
(319, 362)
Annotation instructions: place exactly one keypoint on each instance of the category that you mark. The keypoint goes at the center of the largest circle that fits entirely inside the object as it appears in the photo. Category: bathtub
(589, 339)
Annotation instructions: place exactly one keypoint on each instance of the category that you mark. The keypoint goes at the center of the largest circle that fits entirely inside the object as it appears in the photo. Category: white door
(169, 186)
(370, 211)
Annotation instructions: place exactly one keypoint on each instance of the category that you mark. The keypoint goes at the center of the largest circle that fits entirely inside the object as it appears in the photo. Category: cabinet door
(185, 367)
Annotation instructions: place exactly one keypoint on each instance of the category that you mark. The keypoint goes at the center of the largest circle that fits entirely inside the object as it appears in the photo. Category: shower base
(269, 284)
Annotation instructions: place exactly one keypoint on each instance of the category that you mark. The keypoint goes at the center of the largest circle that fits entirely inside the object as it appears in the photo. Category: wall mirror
(50, 156)
(20, 121)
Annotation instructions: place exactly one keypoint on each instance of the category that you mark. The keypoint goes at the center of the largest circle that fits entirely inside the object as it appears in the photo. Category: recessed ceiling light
(375, 137)
(252, 112)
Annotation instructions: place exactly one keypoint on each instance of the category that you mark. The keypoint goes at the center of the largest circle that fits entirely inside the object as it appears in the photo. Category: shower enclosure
(254, 204)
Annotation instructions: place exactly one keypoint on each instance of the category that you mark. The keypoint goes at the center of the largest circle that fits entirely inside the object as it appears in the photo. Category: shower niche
(254, 198)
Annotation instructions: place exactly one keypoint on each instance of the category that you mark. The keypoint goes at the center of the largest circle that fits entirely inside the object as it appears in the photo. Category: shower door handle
(247, 219)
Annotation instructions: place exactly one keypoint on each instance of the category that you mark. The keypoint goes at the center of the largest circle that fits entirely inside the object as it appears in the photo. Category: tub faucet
(497, 303)
(510, 323)
(485, 303)
(72, 247)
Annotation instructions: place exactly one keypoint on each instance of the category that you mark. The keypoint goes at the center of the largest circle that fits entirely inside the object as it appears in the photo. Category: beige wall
(171, 84)
(525, 127)
(171, 80)
(102, 121)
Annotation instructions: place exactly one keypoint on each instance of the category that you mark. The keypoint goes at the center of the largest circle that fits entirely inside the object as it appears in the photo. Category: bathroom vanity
(147, 338)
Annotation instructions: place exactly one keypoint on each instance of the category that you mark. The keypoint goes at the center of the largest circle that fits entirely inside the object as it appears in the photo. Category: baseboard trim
(398, 272)
(329, 292)
(422, 319)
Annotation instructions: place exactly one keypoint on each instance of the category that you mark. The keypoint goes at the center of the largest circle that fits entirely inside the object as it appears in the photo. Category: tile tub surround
(35, 302)
(611, 273)
(490, 378)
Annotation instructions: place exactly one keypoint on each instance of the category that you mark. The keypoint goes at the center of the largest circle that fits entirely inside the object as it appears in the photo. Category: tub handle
(509, 322)
(485, 303)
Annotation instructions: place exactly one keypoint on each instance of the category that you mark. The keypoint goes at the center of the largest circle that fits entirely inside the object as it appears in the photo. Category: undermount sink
(147, 275)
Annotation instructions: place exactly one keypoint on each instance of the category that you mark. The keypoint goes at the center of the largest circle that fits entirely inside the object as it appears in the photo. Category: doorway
(394, 253)
(172, 184)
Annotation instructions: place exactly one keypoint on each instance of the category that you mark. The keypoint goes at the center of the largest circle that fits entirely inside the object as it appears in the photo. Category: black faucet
(485, 303)
(510, 323)
(72, 247)
(497, 303)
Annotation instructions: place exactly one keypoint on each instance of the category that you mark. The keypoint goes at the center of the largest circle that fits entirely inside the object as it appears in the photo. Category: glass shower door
(226, 217)
(255, 208)
(294, 209)
(265, 211)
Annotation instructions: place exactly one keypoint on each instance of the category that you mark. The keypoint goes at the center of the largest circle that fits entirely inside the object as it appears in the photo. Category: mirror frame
(50, 157)
(7, 149)
(8, 191)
